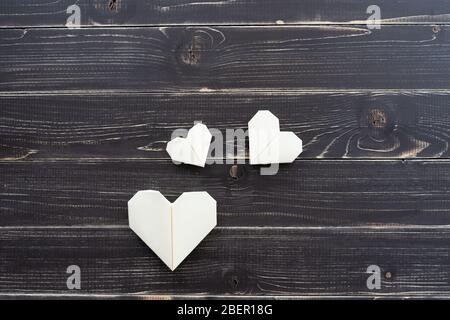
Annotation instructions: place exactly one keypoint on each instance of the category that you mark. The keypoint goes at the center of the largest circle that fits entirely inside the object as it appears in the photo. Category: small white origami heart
(193, 149)
(268, 144)
(172, 230)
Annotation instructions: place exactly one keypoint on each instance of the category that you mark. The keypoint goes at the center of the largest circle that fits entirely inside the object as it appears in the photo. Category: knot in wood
(236, 172)
(377, 118)
(234, 280)
(192, 52)
(113, 11)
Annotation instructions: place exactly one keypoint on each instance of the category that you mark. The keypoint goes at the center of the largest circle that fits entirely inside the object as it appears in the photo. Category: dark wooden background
(85, 115)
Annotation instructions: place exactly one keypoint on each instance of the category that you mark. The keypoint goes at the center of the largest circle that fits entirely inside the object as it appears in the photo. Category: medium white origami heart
(193, 149)
(172, 230)
(268, 144)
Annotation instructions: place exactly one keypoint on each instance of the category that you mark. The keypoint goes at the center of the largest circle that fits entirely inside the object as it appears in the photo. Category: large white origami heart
(193, 149)
(268, 144)
(172, 230)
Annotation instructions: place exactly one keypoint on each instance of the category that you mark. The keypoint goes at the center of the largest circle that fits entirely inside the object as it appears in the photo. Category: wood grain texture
(42, 13)
(353, 125)
(224, 58)
(230, 262)
(306, 193)
(85, 115)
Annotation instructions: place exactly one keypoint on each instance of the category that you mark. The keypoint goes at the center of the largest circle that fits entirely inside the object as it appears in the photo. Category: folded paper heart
(268, 144)
(193, 149)
(172, 230)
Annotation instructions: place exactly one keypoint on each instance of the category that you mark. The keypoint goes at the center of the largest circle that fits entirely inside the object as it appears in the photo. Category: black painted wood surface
(85, 115)
(230, 262)
(307, 193)
(43, 13)
(349, 125)
(224, 58)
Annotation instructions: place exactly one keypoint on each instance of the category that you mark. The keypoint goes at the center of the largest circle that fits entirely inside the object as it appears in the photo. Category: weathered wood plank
(240, 58)
(253, 262)
(306, 193)
(138, 126)
(42, 13)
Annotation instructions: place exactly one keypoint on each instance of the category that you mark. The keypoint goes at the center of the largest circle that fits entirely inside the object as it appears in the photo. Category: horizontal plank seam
(325, 228)
(405, 295)
(237, 25)
(167, 160)
(214, 92)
